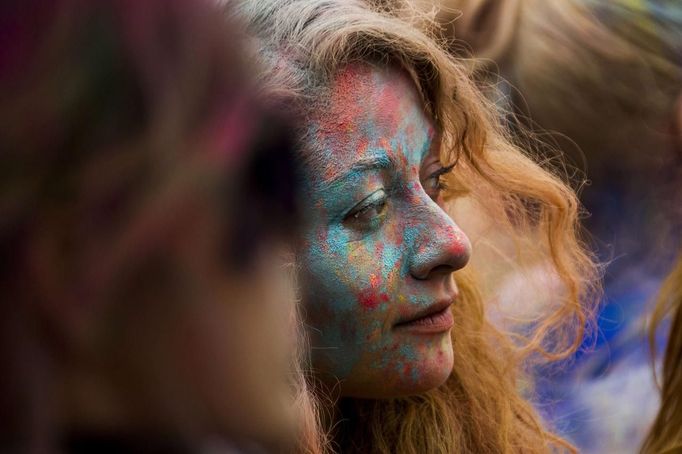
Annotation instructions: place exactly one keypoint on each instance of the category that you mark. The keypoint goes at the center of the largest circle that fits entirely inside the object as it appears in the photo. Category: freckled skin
(363, 273)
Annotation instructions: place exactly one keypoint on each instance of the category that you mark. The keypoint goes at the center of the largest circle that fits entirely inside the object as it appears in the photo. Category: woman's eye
(434, 184)
(368, 211)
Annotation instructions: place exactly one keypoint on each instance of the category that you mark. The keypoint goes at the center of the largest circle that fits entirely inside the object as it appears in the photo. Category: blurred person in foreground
(605, 78)
(145, 307)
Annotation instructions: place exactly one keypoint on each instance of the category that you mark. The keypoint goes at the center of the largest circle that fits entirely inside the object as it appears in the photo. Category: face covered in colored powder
(378, 251)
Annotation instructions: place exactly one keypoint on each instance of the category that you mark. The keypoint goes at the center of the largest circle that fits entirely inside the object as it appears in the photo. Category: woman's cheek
(331, 301)
(357, 279)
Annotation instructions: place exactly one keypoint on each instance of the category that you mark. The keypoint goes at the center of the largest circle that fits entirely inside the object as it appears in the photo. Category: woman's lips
(437, 320)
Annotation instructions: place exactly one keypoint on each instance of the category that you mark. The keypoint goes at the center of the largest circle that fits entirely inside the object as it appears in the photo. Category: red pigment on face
(387, 103)
(329, 173)
(362, 146)
(385, 144)
(456, 243)
(397, 241)
(401, 156)
(346, 106)
(368, 299)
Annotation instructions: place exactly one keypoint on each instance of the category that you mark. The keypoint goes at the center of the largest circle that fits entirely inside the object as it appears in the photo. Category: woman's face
(378, 251)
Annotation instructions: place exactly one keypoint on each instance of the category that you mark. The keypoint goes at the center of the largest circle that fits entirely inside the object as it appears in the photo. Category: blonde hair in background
(484, 29)
(617, 64)
(481, 407)
(665, 435)
(579, 62)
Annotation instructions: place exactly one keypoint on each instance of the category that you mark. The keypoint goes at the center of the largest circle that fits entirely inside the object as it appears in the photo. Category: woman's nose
(440, 247)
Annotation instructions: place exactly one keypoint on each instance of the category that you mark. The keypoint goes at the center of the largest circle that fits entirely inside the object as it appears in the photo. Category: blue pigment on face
(371, 230)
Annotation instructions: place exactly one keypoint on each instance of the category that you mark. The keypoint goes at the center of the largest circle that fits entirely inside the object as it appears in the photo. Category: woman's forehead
(370, 109)
(364, 89)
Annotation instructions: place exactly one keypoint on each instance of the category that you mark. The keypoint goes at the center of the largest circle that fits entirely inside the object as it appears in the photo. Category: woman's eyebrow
(379, 161)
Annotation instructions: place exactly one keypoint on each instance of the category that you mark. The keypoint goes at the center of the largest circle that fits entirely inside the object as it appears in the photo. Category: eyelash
(440, 185)
(380, 201)
(369, 207)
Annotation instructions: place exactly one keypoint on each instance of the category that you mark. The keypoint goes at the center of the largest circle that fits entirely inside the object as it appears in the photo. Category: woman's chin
(410, 378)
(426, 375)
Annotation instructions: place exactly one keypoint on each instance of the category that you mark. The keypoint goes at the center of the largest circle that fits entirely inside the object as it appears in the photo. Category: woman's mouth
(436, 319)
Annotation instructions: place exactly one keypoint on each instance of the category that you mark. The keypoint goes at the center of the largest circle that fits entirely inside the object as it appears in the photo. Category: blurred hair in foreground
(143, 299)
(665, 436)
